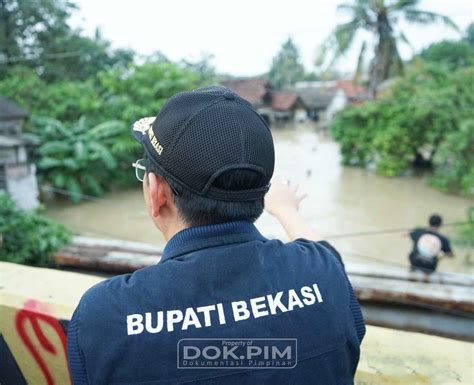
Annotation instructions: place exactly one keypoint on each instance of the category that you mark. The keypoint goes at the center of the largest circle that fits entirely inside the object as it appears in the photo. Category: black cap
(198, 135)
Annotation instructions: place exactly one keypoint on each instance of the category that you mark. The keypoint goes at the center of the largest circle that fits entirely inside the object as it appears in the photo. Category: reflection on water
(340, 200)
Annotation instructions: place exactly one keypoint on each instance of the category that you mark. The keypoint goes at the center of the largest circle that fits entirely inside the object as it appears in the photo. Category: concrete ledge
(36, 304)
(393, 357)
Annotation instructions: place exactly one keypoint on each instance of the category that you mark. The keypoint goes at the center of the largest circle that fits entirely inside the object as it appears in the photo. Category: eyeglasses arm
(139, 166)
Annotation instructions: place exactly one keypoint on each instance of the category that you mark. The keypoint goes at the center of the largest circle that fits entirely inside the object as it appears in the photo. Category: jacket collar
(200, 237)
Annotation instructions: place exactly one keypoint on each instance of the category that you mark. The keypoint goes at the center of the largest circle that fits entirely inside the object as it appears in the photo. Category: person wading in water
(429, 246)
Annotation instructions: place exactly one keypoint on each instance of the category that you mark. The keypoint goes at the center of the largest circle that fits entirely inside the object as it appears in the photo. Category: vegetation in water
(27, 237)
(426, 117)
(466, 230)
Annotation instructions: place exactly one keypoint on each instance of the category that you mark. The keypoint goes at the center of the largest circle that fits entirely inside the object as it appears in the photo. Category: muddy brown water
(341, 200)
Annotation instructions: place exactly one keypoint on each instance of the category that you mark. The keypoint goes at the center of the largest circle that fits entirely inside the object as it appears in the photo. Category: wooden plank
(116, 244)
(112, 262)
(420, 294)
(372, 283)
(420, 320)
(108, 255)
(393, 272)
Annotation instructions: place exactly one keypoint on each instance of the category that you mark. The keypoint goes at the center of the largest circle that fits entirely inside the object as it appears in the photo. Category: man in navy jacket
(225, 305)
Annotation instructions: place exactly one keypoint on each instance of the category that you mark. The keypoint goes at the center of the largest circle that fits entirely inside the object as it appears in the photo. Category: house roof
(283, 100)
(10, 110)
(351, 89)
(318, 95)
(253, 90)
(316, 98)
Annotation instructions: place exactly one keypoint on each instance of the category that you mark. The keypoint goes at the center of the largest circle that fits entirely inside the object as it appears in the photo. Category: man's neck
(172, 229)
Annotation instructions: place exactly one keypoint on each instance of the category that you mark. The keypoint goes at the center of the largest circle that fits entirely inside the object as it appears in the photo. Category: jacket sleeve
(75, 357)
(357, 314)
(353, 303)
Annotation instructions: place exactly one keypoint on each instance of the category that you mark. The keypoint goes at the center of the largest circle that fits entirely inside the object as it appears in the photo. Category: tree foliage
(452, 54)
(128, 95)
(142, 89)
(37, 34)
(454, 160)
(470, 35)
(426, 112)
(27, 237)
(466, 231)
(286, 66)
(380, 19)
(27, 27)
(65, 100)
(74, 109)
(77, 158)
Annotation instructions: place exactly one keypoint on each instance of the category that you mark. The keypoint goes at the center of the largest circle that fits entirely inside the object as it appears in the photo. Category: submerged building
(17, 175)
(273, 105)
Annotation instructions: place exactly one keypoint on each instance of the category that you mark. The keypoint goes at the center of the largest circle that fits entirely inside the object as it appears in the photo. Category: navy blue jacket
(223, 281)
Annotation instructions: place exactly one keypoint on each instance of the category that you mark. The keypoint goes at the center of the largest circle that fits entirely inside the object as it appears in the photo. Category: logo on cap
(145, 126)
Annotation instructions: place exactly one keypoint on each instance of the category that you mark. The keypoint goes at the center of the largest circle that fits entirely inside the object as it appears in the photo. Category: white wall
(337, 103)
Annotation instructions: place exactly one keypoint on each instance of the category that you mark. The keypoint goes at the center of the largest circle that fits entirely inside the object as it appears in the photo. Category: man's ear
(159, 193)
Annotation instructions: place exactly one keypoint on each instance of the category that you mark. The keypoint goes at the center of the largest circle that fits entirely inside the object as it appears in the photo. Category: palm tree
(379, 18)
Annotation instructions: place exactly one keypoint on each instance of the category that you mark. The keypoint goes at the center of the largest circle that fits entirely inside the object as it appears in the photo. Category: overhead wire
(55, 56)
(386, 231)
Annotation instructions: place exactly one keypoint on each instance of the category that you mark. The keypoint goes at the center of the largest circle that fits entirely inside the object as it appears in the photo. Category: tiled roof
(352, 90)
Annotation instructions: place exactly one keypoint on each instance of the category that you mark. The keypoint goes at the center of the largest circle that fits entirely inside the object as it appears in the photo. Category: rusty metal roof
(316, 98)
(10, 110)
(283, 100)
(253, 90)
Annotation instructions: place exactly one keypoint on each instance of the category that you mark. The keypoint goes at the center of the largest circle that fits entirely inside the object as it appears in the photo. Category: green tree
(36, 34)
(66, 100)
(116, 94)
(470, 34)
(286, 66)
(27, 27)
(452, 54)
(425, 114)
(84, 57)
(134, 93)
(454, 161)
(379, 18)
(141, 90)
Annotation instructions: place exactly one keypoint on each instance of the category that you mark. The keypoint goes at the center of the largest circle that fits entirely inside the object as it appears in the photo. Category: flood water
(341, 200)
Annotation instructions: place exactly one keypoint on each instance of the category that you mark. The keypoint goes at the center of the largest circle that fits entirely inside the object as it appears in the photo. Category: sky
(244, 35)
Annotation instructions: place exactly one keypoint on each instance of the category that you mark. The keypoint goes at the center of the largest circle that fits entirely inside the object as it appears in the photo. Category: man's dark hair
(197, 210)
(435, 220)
